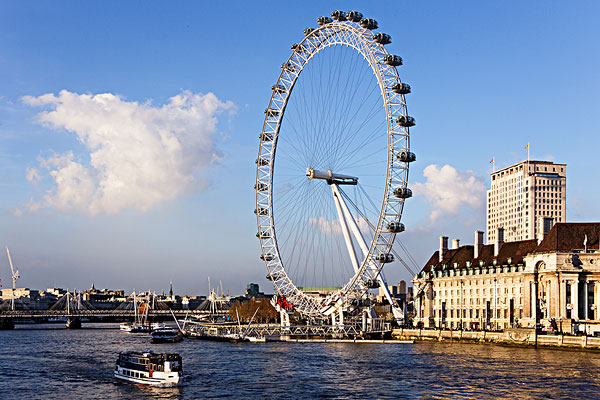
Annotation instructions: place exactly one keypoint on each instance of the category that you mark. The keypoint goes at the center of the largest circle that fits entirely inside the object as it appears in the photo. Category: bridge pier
(7, 323)
(73, 323)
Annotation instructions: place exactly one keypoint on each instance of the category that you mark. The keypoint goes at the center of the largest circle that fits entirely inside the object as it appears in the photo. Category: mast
(147, 307)
(135, 308)
(15, 276)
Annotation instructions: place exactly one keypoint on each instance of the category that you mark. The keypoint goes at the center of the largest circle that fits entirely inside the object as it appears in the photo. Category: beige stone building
(497, 286)
(523, 193)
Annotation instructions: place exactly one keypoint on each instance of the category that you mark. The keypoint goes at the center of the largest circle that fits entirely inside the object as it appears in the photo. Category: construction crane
(15, 276)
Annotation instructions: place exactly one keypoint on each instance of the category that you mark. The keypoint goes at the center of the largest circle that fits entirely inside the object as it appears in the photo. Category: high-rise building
(524, 194)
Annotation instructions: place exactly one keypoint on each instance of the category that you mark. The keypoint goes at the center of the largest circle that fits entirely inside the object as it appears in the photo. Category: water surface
(60, 363)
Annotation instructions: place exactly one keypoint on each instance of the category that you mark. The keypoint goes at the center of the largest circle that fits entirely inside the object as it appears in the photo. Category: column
(585, 300)
(557, 294)
(596, 299)
(526, 296)
(562, 305)
(575, 299)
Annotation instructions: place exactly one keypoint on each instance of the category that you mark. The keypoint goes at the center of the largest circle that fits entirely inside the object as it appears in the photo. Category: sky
(129, 130)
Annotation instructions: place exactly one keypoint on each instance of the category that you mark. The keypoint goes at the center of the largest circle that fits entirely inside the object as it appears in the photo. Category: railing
(97, 313)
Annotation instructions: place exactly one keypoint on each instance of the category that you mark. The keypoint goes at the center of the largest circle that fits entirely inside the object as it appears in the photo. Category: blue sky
(487, 79)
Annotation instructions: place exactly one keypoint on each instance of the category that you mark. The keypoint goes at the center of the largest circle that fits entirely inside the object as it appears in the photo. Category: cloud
(326, 226)
(447, 190)
(335, 228)
(138, 155)
(32, 176)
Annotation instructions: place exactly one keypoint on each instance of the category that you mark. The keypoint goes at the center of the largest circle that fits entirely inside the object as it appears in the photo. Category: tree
(245, 310)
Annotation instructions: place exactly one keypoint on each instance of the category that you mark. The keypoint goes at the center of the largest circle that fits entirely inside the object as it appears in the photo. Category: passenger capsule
(324, 20)
(393, 60)
(405, 120)
(278, 88)
(401, 88)
(371, 283)
(269, 112)
(406, 156)
(382, 38)
(266, 136)
(308, 31)
(299, 48)
(338, 15)
(354, 16)
(384, 257)
(368, 23)
(263, 235)
(287, 66)
(402, 192)
(261, 161)
(267, 257)
(395, 227)
(261, 211)
(261, 187)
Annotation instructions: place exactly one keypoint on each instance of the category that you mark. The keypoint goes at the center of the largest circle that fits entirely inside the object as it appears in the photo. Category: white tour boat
(149, 368)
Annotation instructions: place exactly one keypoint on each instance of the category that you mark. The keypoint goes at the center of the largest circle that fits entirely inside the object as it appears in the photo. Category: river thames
(54, 363)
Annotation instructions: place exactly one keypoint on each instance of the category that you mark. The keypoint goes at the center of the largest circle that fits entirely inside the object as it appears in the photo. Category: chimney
(455, 243)
(499, 241)
(478, 244)
(443, 246)
(544, 226)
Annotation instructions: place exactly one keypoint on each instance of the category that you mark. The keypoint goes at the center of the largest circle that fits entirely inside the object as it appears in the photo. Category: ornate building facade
(554, 280)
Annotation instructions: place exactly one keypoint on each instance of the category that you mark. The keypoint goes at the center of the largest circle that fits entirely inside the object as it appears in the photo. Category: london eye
(332, 167)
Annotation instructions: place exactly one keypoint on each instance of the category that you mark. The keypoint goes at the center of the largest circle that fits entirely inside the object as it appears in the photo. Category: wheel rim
(336, 34)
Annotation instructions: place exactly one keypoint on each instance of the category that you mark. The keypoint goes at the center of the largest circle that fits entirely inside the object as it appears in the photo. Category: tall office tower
(524, 194)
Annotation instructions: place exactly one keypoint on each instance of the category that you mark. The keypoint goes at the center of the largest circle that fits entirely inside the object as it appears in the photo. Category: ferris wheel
(332, 167)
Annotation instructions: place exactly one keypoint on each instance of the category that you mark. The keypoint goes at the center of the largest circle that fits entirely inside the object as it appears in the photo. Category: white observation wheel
(332, 166)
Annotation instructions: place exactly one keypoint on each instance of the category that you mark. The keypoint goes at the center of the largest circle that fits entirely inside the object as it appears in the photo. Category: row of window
(477, 313)
(134, 374)
(470, 292)
(475, 301)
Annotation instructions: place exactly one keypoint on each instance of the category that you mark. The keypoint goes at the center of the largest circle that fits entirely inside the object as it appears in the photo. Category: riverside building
(523, 193)
(553, 280)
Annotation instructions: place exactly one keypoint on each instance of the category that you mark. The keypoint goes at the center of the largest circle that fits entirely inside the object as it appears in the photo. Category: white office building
(522, 194)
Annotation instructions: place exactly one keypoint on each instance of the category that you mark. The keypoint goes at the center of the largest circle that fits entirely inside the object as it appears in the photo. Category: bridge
(74, 310)
(106, 314)
(74, 317)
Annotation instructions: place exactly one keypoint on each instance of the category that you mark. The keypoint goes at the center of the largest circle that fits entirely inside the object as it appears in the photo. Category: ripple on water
(79, 364)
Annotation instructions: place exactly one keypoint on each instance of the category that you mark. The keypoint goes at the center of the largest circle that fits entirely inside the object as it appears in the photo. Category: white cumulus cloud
(447, 190)
(334, 227)
(138, 155)
(326, 226)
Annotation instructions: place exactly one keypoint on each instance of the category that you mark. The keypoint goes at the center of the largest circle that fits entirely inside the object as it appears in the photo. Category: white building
(497, 286)
(522, 194)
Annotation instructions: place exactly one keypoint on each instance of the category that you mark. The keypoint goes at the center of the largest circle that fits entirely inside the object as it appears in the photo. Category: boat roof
(147, 353)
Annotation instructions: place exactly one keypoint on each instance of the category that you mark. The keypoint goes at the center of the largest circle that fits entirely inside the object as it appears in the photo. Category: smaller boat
(141, 323)
(166, 335)
(134, 327)
(149, 368)
(222, 333)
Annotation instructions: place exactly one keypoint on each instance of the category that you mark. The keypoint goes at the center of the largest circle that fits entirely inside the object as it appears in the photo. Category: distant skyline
(128, 132)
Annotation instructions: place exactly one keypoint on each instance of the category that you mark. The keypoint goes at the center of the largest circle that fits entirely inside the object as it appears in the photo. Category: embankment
(512, 337)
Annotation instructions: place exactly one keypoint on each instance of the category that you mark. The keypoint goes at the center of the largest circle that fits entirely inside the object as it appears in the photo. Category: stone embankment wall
(514, 337)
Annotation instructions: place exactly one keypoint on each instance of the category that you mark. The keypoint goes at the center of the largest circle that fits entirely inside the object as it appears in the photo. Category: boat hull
(147, 381)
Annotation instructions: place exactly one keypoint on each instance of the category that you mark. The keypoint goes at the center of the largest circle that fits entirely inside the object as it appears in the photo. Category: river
(55, 363)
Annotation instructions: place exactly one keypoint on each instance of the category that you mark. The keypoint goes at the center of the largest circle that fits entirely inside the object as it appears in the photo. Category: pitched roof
(567, 236)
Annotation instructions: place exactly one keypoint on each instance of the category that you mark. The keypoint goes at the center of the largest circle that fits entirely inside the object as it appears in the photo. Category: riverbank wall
(522, 337)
